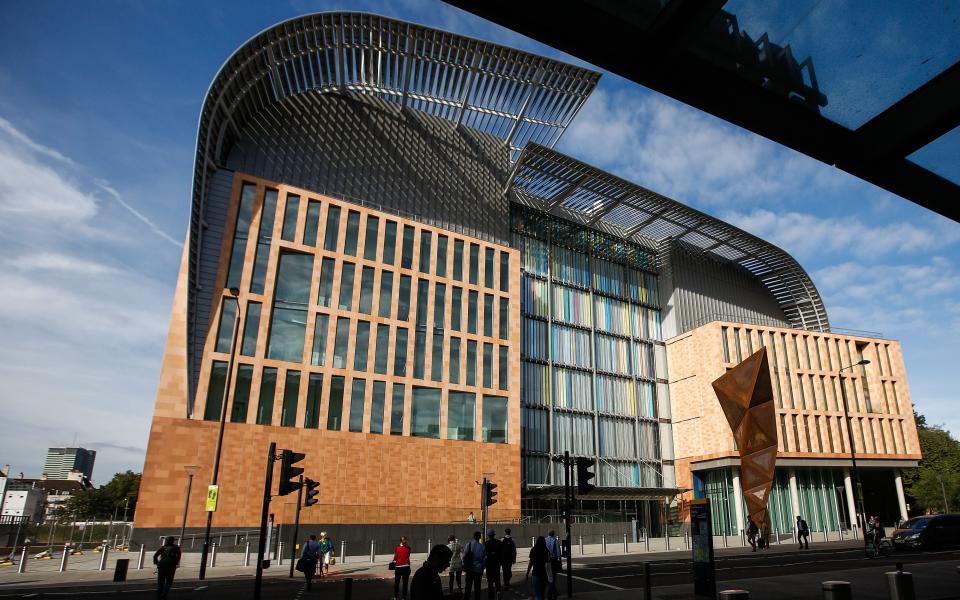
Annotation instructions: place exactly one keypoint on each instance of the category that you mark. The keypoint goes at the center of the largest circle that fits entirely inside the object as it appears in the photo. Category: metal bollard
(581, 545)
(348, 588)
(686, 540)
(666, 539)
(372, 554)
(103, 557)
(900, 584)
(734, 595)
(246, 555)
(626, 548)
(647, 587)
(837, 590)
(115, 538)
(280, 553)
(603, 543)
(343, 554)
(841, 533)
(140, 560)
(646, 541)
(429, 545)
(213, 554)
(533, 541)
(22, 567)
(726, 542)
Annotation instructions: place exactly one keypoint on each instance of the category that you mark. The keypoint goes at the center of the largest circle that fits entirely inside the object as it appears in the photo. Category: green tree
(937, 480)
(102, 503)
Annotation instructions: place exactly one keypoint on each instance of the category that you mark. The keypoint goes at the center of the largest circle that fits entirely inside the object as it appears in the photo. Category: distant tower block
(746, 396)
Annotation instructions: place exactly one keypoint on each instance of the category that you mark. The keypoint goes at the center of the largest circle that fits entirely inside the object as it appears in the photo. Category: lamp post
(857, 492)
(191, 471)
(235, 294)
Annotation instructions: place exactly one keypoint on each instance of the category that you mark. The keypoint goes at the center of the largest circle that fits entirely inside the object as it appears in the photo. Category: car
(928, 532)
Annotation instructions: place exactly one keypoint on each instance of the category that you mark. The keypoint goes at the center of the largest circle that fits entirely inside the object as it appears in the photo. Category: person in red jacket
(401, 561)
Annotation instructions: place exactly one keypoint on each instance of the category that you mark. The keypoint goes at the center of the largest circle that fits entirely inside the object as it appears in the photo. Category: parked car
(928, 532)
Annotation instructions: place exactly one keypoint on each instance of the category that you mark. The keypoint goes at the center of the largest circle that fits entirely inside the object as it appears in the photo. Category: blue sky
(98, 110)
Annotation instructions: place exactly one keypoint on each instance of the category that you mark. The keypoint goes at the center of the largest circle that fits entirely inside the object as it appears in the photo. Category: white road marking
(606, 585)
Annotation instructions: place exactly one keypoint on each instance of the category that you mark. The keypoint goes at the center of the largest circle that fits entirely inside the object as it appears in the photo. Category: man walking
(474, 558)
(494, 550)
(426, 584)
(167, 559)
(752, 531)
(508, 558)
(555, 555)
(803, 533)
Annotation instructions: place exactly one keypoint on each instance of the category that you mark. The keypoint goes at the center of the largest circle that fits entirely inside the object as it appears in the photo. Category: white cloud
(64, 263)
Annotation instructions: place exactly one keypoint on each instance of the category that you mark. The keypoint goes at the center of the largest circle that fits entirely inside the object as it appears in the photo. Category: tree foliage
(108, 500)
(938, 477)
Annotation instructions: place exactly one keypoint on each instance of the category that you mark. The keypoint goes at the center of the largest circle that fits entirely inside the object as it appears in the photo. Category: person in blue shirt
(309, 556)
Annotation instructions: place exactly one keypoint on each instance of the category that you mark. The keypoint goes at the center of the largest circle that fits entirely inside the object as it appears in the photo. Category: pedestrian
(471, 519)
(401, 572)
(803, 533)
(508, 558)
(474, 559)
(494, 550)
(752, 531)
(167, 559)
(538, 564)
(326, 554)
(555, 556)
(426, 584)
(878, 532)
(456, 563)
(309, 557)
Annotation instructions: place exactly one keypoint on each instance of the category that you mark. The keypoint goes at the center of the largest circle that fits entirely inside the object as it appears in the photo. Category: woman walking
(539, 564)
(326, 551)
(401, 562)
(309, 559)
(456, 563)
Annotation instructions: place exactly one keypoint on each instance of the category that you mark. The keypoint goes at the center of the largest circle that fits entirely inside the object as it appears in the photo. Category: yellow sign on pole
(213, 495)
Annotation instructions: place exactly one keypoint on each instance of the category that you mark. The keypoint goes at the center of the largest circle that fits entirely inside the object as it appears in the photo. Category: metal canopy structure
(882, 104)
(552, 182)
(556, 492)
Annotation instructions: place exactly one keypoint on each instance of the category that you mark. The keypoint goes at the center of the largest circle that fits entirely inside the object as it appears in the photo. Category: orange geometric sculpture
(746, 396)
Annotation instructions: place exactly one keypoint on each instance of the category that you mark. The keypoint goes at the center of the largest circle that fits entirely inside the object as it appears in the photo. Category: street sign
(213, 495)
(701, 535)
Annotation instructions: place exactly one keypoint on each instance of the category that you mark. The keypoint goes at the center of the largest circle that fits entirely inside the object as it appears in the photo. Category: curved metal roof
(555, 183)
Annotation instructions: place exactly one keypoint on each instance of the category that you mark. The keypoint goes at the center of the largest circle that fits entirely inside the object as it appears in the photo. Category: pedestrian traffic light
(288, 472)
(312, 492)
(584, 475)
(489, 494)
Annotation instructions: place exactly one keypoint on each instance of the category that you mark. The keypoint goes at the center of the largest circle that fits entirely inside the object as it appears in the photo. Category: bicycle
(883, 548)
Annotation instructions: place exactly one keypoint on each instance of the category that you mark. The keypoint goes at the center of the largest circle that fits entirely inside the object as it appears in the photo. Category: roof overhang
(556, 492)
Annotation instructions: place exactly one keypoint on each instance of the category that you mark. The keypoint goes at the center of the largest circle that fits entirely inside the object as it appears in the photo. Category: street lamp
(235, 294)
(857, 492)
(191, 471)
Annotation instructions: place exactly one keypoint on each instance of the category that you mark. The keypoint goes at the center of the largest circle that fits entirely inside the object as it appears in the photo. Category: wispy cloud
(105, 186)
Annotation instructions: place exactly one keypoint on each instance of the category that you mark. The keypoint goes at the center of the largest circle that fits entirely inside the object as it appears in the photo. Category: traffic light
(288, 472)
(584, 475)
(312, 492)
(489, 494)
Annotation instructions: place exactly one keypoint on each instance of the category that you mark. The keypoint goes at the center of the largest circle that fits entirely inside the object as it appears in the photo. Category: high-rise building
(425, 294)
(62, 461)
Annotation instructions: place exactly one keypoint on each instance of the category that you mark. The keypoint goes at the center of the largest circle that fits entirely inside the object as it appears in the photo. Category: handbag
(301, 564)
(333, 559)
(393, 565)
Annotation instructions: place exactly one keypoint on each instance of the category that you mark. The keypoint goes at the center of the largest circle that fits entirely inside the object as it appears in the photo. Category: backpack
(169, 556)
(510, 550)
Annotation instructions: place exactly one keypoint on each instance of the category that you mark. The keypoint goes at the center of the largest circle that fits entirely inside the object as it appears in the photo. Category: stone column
(794, 496)
(851, 506)
(738, 499)
(901, 500)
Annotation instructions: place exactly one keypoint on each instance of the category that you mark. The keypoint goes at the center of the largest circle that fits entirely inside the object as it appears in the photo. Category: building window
(386, 294)
(461, 414)
(488, 268)
(292, 293)
(783, 433)
(436, 360)
(472, 312)
(425, 241)
(736, 344)
(396, 410)
(335, 410)
(291, 394)
(423, 287)
(366, 290)
(240, 233)
(419, 349)
(504, 371)
(425, 413)
(319, 355)
(325, 289)
(289, 231)
(441, 256)
(268, 389)
(403, 299)
(406, 254)
(456, 308)
(340, 343)
(400, 353)
(376, 406)
(357, 399)
(474, 264)
(504, 271)
(488, 365)
(362, 343)
(439, 305)
(312, 224)
(370, 238)
(726, 344)
(333, 228)
(241, 394)
(389, 242)
(228, 314)
(458, 260)
(495, 419)
(454, 360)
(218, 377)
(488, 315)
(796, 432)
(353, 230)
(471, 362)
(267, 216)
(311, 420)
(347, 273)
(504, 318)
(251, 327)
(382, 350)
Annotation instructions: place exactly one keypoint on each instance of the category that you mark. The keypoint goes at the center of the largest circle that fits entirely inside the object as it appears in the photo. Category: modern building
(61, 462)
(58, 491)
(23, 502)
(425, 294)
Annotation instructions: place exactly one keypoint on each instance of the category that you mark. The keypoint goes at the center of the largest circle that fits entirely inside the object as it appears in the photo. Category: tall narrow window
(419, 349)
(240, 234)
(291, 394)
(456, 308)
(335, 408)
(423, 287)
(488, 315)
(267, 217)
(366, 290)
(288, 323)
(504, 318)
(488, 365)
(400, 353)
(504, 271)
(472, 312)
(376, 406)
(228, 315)
(425, 413)
(386, 294)
(347, 273)
(383, 349)
(403, 299)
(389, 242)
(406, 252)
(436, 364)
(340, 343)
(319, 354)
(461, 414)
(474, 263)
(333, 228)
(458, 260)
(726, 344)
(441, 256)
(289, 231)
(361, 346)
(426, 239)
(439, 305)
(471, 362)
(370, 238)
(503, 371)
(251, 327)
(268, 389)
(357, 399)
(325, 289)
(353, 231)
(218, 377)
(311, 420)
(396, 410)
(241, 394)
(488, 267)
(311, 224)
(454, 360)
(495, 419)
